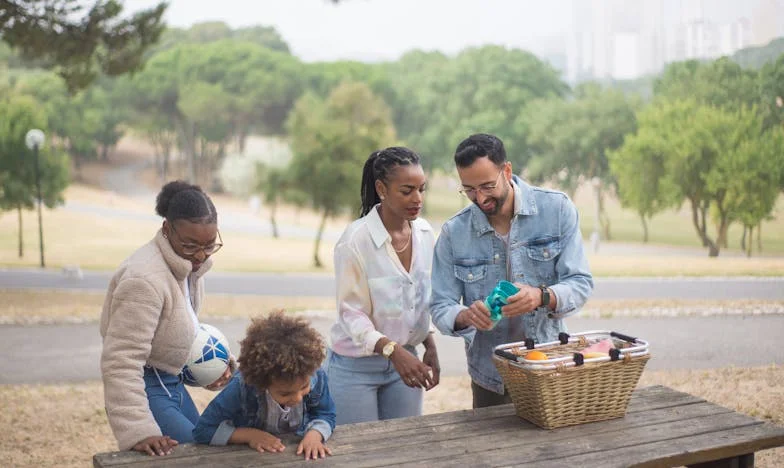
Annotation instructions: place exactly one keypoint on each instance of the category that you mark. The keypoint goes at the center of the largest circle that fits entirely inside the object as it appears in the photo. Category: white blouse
(376, 296)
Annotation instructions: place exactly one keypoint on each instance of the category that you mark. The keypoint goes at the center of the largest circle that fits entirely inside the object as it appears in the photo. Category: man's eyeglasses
(486, 189)
(193, 249)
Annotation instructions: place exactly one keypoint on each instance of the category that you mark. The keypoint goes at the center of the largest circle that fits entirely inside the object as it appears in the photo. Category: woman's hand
(430, 359)
(312, 446)
(156, 445)
(222, 381)
(413, 372)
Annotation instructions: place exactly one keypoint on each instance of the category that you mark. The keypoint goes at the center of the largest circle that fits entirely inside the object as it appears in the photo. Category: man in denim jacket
(512, 231)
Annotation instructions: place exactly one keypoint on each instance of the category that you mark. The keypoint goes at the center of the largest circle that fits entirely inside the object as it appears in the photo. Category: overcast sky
(373, 30)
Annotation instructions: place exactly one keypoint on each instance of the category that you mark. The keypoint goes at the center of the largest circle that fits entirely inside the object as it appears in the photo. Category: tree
(639, 168)
(771, 90)
(570, 139)
(439, 101)
(78, 40)
(331, 139)
(19, 114)
(720, 83)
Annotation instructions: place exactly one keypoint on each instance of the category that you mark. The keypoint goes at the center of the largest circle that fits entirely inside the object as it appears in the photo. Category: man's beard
(499, 201)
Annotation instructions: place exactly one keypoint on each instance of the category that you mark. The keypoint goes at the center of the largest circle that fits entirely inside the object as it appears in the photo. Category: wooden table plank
(687, 450)
(496, 437)
(501, 451)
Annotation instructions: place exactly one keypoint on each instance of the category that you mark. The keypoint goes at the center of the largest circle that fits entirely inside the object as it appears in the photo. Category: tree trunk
(21, 241)
(759, 237)
(697, 216)
(743, 238)
(751, 236)
(644, 229)
(604, 219)
(316, 261)
(273, 222)
(722, 240)
(104, 152)
(704, 226)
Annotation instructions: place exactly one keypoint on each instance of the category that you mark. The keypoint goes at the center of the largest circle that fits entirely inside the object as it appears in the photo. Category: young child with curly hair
(278, 390)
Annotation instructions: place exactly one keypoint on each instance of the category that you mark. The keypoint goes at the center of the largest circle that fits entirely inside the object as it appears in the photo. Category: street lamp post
(34, 140)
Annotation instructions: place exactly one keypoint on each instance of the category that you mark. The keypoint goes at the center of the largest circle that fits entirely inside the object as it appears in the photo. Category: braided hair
(181, 200)
(379, 166)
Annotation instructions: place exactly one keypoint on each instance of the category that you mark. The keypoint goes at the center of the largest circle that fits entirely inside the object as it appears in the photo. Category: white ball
(209, 357)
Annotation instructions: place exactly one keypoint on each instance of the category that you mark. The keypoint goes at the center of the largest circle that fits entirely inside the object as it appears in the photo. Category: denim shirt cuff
(321, 426)
(565, 305)
(223, 433)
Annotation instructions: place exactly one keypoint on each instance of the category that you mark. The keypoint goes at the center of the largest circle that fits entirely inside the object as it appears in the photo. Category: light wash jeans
(370, 389)
(171, 404)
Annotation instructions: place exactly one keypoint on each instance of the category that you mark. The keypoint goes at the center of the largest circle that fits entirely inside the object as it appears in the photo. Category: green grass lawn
(101, 243)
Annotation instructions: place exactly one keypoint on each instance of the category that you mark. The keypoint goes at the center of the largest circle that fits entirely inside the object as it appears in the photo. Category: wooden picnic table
(662, 427)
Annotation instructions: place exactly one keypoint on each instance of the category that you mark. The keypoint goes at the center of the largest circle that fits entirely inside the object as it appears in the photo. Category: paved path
(71, 353)
(764, 288)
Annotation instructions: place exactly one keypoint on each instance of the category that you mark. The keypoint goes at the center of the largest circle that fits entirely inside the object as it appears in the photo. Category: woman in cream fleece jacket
(149, 321)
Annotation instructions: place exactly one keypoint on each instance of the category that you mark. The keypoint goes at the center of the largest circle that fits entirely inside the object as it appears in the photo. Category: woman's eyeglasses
(193, 249)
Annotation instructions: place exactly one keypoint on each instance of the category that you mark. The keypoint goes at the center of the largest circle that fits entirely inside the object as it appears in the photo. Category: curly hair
(279, 347)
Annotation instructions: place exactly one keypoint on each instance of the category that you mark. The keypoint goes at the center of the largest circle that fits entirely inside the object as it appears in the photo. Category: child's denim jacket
(241, 405)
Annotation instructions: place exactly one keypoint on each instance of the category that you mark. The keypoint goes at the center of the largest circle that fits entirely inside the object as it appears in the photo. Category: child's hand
(265, 442)
(312, 446)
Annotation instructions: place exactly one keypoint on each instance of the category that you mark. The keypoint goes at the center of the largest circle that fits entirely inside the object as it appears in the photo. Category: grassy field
(91, 236)
(64, 425)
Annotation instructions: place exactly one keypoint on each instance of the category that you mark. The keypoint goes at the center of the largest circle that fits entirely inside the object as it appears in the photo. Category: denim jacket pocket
(473, 279)
(386, 293)
(542, 254)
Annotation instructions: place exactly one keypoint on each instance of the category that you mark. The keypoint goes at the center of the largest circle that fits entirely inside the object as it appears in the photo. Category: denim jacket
(241, 405)
(545, 247)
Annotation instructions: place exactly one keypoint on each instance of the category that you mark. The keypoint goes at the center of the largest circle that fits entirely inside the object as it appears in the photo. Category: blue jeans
(370, 389)
(171, 405)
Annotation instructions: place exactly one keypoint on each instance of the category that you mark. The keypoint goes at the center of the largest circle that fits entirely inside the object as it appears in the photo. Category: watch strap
(545, 295)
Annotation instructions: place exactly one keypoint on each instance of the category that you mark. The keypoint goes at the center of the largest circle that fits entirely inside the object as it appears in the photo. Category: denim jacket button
(546, 253)
(470, 276)
(496, 256)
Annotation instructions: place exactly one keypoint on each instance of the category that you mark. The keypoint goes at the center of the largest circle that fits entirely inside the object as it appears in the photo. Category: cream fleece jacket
(145, 321)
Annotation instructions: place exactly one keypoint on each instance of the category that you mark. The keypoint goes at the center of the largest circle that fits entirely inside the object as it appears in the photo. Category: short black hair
(477, 146)
(181, 200)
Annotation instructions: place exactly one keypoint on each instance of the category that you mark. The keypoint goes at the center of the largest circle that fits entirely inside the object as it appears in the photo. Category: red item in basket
(603, 346)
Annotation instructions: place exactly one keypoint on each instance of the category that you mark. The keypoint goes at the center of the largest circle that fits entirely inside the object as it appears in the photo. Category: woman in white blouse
(382, 268)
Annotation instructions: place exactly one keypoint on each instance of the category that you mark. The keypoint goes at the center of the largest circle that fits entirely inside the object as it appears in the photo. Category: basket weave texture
(567, 396)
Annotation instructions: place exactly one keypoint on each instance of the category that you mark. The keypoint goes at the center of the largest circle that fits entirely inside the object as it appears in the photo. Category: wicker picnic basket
(569, 388)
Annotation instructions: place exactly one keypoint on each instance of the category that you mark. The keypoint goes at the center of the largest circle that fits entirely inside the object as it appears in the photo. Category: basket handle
(623, 337)
(506, 354)
(563, 337)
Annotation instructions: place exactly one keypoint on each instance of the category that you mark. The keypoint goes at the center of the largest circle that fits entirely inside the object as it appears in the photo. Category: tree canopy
(81, 41)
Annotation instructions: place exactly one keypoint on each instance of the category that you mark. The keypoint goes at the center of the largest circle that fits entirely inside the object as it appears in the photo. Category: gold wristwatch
(388, 349)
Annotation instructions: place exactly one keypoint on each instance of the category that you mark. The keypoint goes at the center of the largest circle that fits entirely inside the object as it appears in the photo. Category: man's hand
(313, 446)
(523, 302)
(156, 445)
(476, 316)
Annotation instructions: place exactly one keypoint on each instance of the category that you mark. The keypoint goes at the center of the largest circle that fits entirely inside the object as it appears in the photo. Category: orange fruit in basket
(536, 356)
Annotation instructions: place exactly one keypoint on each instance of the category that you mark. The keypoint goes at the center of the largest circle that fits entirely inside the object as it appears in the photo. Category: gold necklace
(408, 241)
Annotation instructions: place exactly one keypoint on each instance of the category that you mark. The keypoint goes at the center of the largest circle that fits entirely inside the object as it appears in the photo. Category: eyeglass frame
(484, 188)
(199, 248)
